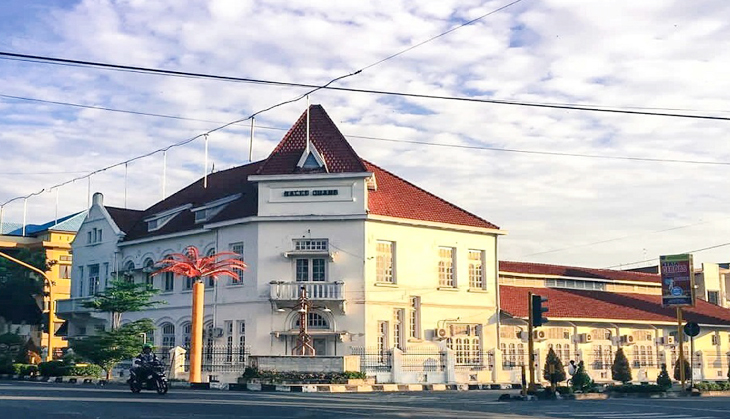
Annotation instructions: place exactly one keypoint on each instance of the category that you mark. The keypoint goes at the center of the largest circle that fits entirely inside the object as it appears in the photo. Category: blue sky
(627, 54)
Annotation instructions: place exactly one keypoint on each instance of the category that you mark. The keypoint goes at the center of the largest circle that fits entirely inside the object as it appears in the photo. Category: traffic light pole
(530, 345)
(680, 342)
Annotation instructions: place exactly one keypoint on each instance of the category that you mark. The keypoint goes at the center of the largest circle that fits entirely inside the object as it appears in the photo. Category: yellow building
(55, 239)
(594, 312)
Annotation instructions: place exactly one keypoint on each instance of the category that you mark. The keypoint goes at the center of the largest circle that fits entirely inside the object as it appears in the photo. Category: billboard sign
(678, 280)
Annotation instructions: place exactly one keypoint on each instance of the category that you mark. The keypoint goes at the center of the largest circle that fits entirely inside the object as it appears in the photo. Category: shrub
(713, 386)
(620, 370)
(302, 377)
(687, 370)
(663, 379)
(355, 375)
(25, 369)
(90, 370)
(581, 381)
(553, 371)
(52, 368)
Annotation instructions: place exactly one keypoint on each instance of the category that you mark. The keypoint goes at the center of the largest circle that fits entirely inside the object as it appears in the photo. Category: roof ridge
(581, 267)
(430, 194)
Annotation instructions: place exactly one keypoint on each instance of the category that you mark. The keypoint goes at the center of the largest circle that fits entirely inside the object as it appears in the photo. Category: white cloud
(656, 54)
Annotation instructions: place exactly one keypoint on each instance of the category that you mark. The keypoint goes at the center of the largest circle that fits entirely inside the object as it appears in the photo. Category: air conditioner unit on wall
(627, 339)
(670, 340)
(661, 340)
(539, 335)
(441, 333)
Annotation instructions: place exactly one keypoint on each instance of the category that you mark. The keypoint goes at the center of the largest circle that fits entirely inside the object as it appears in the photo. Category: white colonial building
(385, 263)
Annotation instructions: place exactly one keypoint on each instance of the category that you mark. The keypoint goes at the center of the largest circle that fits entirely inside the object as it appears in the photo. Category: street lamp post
(48, 283)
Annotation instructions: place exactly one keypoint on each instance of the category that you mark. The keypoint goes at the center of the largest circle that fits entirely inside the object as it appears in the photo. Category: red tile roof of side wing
(124, 218)
(396, 197)
(326, 138)
(576, 272)
(582, 304)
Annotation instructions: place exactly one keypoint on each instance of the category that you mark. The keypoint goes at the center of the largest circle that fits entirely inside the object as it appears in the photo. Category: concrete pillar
(497, 375)
(177, 363)
(396, 365)
(450, 367)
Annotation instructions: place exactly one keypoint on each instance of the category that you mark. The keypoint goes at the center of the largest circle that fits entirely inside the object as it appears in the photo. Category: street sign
(691, 329)
(678, 280)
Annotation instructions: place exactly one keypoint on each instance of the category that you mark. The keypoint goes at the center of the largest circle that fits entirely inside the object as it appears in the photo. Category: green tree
(554, 371)
(581, 380)
(19, 286)
(620, 370)
(122, 297)
(663, 379)
(107, 349)
(687, 370)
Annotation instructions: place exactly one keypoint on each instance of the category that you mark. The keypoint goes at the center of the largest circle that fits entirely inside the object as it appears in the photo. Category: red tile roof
(567, 303)
(326, 138)
(396, 197)
(576, 272)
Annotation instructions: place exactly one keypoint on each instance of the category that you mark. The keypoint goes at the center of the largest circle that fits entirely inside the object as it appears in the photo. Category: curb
(294, 388)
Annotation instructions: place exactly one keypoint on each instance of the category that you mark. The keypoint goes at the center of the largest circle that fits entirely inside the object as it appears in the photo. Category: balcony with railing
(73, 306)
(323, 294)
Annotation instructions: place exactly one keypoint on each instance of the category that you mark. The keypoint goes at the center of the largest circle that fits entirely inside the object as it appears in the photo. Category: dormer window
(311, 160)
(209, 210)
(157, 221)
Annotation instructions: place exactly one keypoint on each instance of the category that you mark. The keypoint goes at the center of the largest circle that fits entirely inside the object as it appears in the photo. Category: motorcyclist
(144, 360)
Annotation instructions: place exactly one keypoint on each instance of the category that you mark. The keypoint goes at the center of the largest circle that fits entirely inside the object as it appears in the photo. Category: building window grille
(384, 262)
(311, 245)
(237, 248)
(476, 269)
(446, 267)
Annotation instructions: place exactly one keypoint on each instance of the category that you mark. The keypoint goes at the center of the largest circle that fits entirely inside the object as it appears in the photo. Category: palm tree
(190, 264)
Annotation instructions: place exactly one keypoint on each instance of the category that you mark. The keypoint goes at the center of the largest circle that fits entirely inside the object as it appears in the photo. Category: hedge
(713, 386)
(59, 368)
(303, 377)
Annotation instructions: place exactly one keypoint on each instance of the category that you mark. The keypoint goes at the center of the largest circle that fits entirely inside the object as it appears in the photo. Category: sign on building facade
(678, 284)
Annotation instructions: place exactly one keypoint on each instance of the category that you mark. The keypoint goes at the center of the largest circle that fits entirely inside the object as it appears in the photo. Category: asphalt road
(53, 401)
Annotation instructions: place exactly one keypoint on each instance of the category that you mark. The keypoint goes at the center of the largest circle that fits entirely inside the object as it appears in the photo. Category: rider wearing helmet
(144, 359)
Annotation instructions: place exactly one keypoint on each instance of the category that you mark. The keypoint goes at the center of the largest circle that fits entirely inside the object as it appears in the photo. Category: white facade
(357, 304)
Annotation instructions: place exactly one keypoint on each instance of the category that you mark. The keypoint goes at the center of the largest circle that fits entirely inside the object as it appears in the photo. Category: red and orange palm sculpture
(190, 264)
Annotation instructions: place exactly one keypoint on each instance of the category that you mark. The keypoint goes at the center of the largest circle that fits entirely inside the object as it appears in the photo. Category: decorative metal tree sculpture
(190, 264)
(304, 341)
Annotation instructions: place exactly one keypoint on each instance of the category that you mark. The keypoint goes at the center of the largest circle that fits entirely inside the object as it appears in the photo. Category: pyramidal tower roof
(325, 142)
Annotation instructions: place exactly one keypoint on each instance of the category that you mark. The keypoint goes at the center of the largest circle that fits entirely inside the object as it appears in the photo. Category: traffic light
(538, 310)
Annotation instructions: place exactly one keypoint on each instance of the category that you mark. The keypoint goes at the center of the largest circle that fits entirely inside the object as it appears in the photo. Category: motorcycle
(149, 376)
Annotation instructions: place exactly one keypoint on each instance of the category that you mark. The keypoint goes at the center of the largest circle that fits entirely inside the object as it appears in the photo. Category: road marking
(724, 411)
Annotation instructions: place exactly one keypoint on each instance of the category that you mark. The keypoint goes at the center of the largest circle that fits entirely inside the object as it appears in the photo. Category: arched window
(211, 281)
(148, 269)
(168, 335)
(314, 321)
(168, 279)
(601, 334)
(187, 329)
(128, 273)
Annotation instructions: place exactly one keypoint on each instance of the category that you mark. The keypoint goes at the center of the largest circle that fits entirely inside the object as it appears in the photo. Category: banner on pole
(678, 280)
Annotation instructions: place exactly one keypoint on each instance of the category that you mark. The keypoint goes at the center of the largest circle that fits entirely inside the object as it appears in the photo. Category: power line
(103, 108)
(619, 238)
(314, 88)
(440, 35)
(551, 153)
(656, 259)
(498, 149)
(563, 106)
